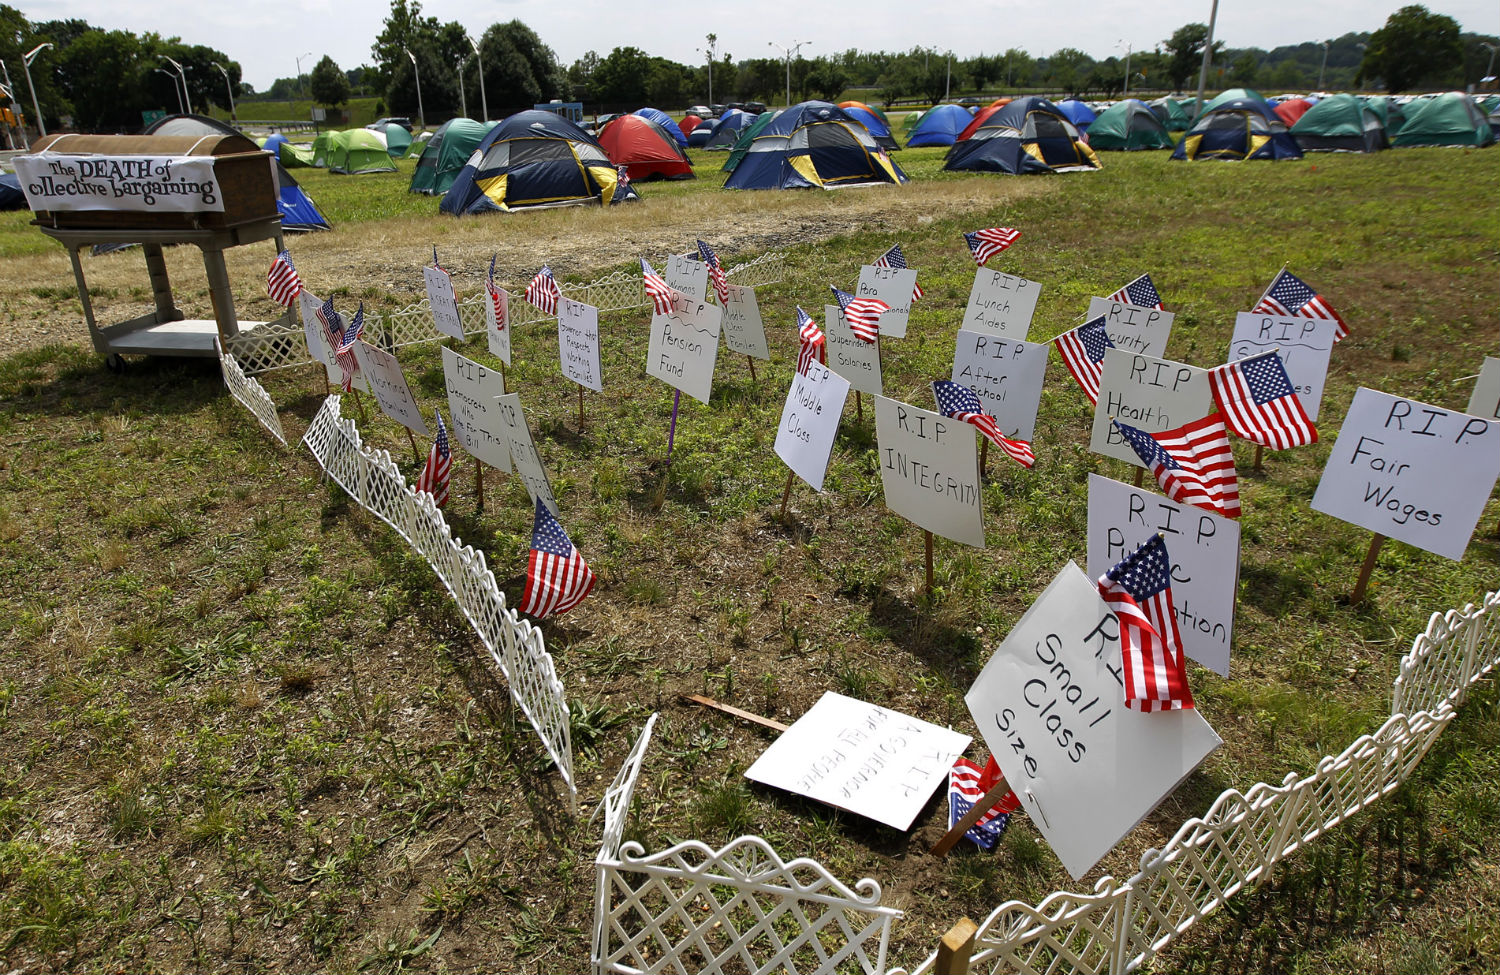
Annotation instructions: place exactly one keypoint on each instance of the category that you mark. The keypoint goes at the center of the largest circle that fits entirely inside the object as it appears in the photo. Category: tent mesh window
(527, 151)
(826, 135)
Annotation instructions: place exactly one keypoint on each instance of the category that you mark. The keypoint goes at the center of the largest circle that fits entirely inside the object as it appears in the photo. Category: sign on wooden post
(684, 346)
(894, 286)
(1001, 304)
(810, 421)
(473, 390)
(1133, 328)
(1485, 400)
(444, 302)
(523, 452)
(1302, 344)
(1007, 375)
(929, 466)
(850, 356)
(387, 383)
(744, 332)
(687, 274)
(578, 343)
(497, 317)
(1148, 393)
(312, 329)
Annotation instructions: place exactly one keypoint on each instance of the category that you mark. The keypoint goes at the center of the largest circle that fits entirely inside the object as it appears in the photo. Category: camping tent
(878, 128)
(813, 144)
(1291, 109)
(939, 126)
(1171, 113)
(1029, 135)
(1392, 115)
(688, 125)
(980, 118)
(1078, 113)
(1340, 123)
(354, 152)
(645, 148)
(396, 137)
(12, 197)
(869, 108)
(1239, 128)
(445, 154)
(1129, 125)
(702, 132)
(535, 159)
(747, 137)
(1450, 119)
(727, 129)
(1234, 95)
(292, 156)
(666, 122)
(320, 148)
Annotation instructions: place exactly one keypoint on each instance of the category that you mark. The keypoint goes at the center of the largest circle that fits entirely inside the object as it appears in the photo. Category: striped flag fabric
(1193, 463)
(437, 472)
(715, 272)
(657, 287)
(1140, 292)
(813, 344)
(1292, 297)
(1259, 402)
(967, 784)
(283, 283)
(542, 291)
(895, 259)
(862, 314)
(344, 354)
(557, 577)
(985, 244)
(1082, 350)
(496, 304)
(1139, 590)
(962, 403)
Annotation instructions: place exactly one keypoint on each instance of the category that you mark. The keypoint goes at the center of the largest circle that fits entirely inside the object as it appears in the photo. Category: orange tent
(979, 119)
(645, 149)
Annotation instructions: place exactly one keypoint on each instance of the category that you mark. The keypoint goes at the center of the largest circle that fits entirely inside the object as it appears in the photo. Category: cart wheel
(114, 363)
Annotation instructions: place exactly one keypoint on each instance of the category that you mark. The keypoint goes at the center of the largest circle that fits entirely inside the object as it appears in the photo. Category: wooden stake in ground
(478, 484)
(751, 360)
(786, 495)
(984, 454)
(975, 813)
(1358, 595)
(709, 702)
(1259, 450)
(580, 409)
(1140, 476)
(928, 535)
(859, 407)
(672, 430)
(416, 455)
(359, 402)
(956, 949)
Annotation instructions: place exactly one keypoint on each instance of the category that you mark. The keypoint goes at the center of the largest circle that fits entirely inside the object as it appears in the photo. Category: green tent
(1224, 97)
(1340, 123)
(742, 145)
(1169, 112)
(320, 148)
(445, 154)
(1129, 125)
(356, 151)
(294, 157)
(1451, 119)
(397, 139)
(1391, 114)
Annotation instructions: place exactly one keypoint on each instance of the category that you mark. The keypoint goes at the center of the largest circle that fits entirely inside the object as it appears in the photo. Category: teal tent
(445, 155)
(1451, 119)
(1128, 125)
(1340, 123)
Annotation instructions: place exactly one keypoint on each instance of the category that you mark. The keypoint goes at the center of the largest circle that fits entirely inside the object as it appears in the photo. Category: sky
(262, 35)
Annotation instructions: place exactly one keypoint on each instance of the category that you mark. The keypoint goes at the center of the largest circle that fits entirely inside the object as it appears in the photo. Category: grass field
(245, 728)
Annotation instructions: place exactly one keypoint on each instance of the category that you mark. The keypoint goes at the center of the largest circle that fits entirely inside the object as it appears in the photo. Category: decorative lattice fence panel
(251, 395)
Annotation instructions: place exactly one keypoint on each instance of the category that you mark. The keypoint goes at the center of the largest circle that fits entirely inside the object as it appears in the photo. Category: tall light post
(1208, 51)
(788, 53)
(463, 101)
(10, 92)
(1127, 64)
(1487, 71)
(948, 85)
(175, 89)
(5, 90)
(421, 116)
(26, 60)
(1324, 66)
(229, 87)
(182, 77)
(300, 86)
(709, 52)
(484, 102)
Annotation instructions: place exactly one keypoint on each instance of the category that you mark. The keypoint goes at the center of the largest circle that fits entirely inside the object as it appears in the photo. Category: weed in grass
(722, 807)
(298, 678)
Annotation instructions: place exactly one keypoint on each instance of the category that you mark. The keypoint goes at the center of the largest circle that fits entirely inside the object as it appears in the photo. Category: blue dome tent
(939, 126)
(813, 144)
(1029, 135)
(665, 121)
(535, 159)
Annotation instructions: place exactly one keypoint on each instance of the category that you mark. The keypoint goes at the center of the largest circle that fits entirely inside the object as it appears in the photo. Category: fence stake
(955, 948)
(1140, 476)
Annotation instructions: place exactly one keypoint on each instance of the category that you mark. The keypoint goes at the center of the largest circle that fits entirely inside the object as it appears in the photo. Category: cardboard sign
(181, 184)
(860, 757)
(312, 329)
(387, 383)
(684, 346)
(1050, 705)
(578, 343)
(687, 274)
(1302, 344)
(1007, 374)
(1133, 328)
(929, 466)
(1485, 400)
(473, 389)
(1147, 393)
(497, 330)
(1205, 550)
(743, 330)
(1001, 304)
(851, 357)
(523, 452)
(1410, 471)
(809, 422)
(444, 302)
(894, 287)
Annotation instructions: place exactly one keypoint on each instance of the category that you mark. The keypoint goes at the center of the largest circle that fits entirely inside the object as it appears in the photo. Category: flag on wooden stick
(1193, 463)
(715, 272)
(862, 314)
(896, 260)
(962, 403)
(543, 292)
(985, 244)
(438, 470)
(283, 283)
(1259, 402)
(657, 287)
(1139, 590)
(557, 578)
(1082, 350)
(1289, 295)
(493, 290)
(1140, 292)
(812, 343)
(967, 784)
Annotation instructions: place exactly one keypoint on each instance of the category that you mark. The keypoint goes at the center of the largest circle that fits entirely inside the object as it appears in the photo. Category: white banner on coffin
(1411, 471)
(1147, 393)
(1302, 344)
(1205, 551)
(387, 383)
(929, 466)
(1007, 375)
(1050, 705)
(312, 329)
(179, 184)
(523, 452)
(688, 275)
(444, 302)
(850, 356)
(810, 421)
(1133, 328)
(1001, 304)
(894, 287)
(743, 330)
(473, 389)
(871, 761)
(578, 343)
(1485, 400)
(497, 323)
(684, 346)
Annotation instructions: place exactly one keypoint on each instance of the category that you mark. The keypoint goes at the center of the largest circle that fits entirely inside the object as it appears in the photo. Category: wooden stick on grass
(975, 813)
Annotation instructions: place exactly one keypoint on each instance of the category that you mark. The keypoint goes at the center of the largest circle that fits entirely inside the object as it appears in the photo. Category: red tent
(979, 119)
(1292, 109)
(689, 123)
(644, 149)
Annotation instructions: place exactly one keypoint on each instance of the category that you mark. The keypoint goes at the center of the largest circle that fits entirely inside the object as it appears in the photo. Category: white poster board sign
(894, 287)
(688, 275)
(1410, 471)
(444, 302)
(578, 343)
(1485, 400)
(312, 329)
(929, 466)
(743, 330)
(1147, 393)
(809, 422)
(523, 452)
(473, 389)
(497, 328)
(684, 346)
(1001, 304)
(387, 383)
(850, 356)
(1302, 344)
(1205, 551)
(180, 184)
(1133, 328)
(1050, 705)
(860, 757)
(1007, 374)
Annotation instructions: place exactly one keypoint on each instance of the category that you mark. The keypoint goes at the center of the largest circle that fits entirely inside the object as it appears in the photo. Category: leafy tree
(827, 79)
(1018, 67)
(1185, 52)
(330, 86)
(666, 83)
(1244, 69)
(759, 78)
(1415, 47)
(1068, 67)
(580, 76)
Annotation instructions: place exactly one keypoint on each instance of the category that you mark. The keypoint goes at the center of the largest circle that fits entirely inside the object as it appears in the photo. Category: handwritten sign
(1050, 705)
(1147, 393)
(809, 422)
(1133, 328)
(473, 389)
(743, 330)
(688, 275)
(1001, 304)
(1302, 344)
(1007, 374)
(444, 302)
(851, 357)
(869, 760)
(684, 346)
(497, 331)
(181, 184)
(578, 343)
(523, 452)
(894, 287)
(312, 329)
(1410, 471)
(387, 383)
(929, 466)
(1485, 400)
(1205, 550)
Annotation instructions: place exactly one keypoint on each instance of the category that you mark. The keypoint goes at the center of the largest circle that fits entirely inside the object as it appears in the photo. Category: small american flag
(496, 302)
(1290, 296)
(1193, 463)
(813, 345)
(962, 403)
(967, 784)
(657, 287)
(985, 244)
(557, 578)
(1140, 292)
(436, 472)
(543, 292)
(344, 354)
(622, 175)
(283, 283)
(895, 259)
(1139, 590)
(715, 272)
(1259, 403)
(1082, 350)
(862, 314)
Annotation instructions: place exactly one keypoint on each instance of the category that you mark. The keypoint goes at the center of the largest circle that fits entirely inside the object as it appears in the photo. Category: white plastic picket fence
(372, 478)
(250, 394)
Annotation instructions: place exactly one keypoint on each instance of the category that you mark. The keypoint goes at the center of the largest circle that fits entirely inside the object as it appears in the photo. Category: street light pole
(1325, 64)
(10, 92)
(229, 88)
(463, 102)
(948, 85)
(1208, 50)
(708, 52)
(26, 60)
(176, 90)
(421, 116)
(300, 86)
(1127, 64)
(788, 52)
(484, 102)
(182, 77)
(1487, 71)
